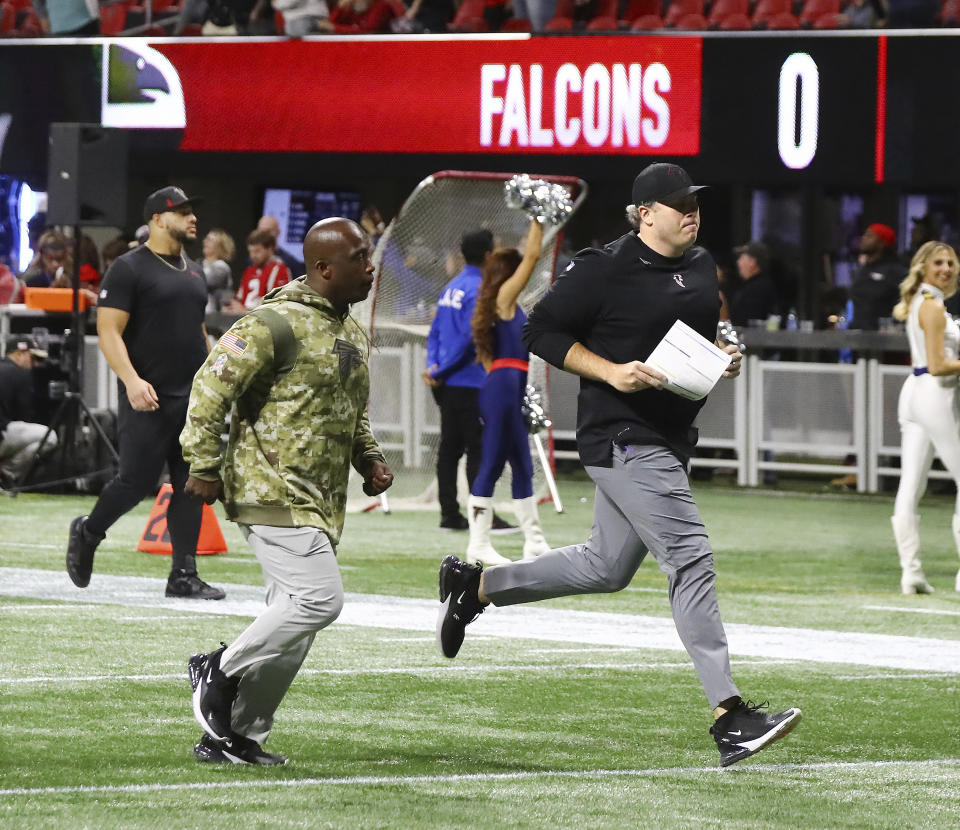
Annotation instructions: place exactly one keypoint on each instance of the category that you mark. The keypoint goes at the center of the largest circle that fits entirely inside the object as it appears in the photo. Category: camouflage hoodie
(288, 468)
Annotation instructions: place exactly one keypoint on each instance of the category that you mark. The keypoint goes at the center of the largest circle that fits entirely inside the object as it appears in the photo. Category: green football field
(580, 712)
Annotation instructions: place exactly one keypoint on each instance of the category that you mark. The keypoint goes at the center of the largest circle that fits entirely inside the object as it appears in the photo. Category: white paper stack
(692, 364)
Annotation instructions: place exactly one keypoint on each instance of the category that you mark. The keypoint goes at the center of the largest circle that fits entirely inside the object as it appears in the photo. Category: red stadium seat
(564, 8)
(782, 21)
(647, 23)
(678, 8)
(279, 24)
(8, 19)
(831, 20)
(722, 9)
(603, 24)
(559, 24)
(469, 9)
(735, 22)
(29, 24)
(516, 24)
(812, 9)
(765, 9)
(112, 19)
(165, 6)
(691, 22)
(640, 8)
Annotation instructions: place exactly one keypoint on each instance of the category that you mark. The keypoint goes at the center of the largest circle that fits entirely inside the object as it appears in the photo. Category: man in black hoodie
(601, 318)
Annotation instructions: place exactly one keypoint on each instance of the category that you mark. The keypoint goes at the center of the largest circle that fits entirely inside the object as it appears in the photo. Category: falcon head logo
(678, 279)
(141, 88)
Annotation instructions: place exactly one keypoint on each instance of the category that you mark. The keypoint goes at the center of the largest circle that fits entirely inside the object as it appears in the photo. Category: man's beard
(178, 234)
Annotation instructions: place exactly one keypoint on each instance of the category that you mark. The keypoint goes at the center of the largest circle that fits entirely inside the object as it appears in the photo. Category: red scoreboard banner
(597, 95)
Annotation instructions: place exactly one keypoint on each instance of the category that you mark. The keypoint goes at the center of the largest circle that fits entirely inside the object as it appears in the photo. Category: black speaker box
(87, 175)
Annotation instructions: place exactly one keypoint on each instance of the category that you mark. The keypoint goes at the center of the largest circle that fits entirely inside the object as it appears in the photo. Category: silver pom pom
(543, 200)
(532, 409)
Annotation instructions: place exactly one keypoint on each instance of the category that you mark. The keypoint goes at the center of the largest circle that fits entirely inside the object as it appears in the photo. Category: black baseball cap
(166, 198)
(662, 182)
(23, 341)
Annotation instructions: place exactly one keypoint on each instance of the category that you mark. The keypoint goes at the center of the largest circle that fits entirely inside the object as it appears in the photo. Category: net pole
(548, 474)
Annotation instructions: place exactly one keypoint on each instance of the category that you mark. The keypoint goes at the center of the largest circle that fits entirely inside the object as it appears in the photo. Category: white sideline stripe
(414, 780)
(519, 622)
(911, 610)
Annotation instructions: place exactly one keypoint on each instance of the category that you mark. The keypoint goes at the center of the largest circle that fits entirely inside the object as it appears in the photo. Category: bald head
(270, 225)
(338, 259)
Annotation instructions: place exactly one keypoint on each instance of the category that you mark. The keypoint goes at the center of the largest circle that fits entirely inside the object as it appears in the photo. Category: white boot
(534, 542)
(908, 545)
(480, 517)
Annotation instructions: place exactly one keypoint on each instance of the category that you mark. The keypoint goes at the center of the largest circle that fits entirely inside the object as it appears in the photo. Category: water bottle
(792, 320)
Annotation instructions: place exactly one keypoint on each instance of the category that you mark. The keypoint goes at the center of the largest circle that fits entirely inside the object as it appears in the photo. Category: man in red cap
(876, 285)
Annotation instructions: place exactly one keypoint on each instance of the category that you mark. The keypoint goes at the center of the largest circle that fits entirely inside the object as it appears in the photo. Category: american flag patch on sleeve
(232, 343)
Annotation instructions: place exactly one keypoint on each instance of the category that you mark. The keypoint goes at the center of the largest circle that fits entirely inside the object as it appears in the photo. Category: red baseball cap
(887, 234)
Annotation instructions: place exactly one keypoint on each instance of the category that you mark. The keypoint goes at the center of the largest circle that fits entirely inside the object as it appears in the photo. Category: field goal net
(418, 254)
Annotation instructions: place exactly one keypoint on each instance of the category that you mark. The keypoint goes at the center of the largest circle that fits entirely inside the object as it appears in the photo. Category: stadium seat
(564, 8)
(831, 20)
(678, 8)
(8, 19)
(782, 21)
(165, 6)
(765, 9)
(516, 24)
(691, 22)
(470, 24)
(559, 24)
(812, 9)
(640, 8)
(735, 22)
(112, 19)
(647, 23)
(603, 24)
(469, 9)
(279, 24)
(722, 9)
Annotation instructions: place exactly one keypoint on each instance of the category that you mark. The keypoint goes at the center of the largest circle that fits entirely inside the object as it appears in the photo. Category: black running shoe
(459, 583)
(187, 585)
(81, 545)
(455, 522)
(213, 693)
(238, 750)
(745, 730)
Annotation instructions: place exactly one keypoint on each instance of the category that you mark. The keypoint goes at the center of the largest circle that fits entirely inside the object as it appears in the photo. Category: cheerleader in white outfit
(928, 407)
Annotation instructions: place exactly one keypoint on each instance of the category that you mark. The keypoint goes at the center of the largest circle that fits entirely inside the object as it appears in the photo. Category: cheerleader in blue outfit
(497, 325)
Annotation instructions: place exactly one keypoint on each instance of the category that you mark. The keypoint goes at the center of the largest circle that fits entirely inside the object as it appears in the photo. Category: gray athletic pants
(304, 595)
(643, 503)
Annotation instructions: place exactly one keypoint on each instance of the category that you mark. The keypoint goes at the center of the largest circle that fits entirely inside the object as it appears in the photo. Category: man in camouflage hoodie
(295, 373)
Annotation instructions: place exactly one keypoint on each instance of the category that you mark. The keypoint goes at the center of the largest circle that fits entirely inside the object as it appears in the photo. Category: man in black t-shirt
(601, 318)
(150, 324)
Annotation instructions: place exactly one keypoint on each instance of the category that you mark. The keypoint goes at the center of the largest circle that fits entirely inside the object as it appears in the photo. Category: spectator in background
(300, 17)
(876, 285)
(538, 12)
(425, 16)
(89, 257)
(271, 225)
(50, 258)
(924, 229)
(19, 437)
(218, 250)
(69, 18)
(913, 14)
(113, 249)
(756, 297)
(265, 273)
(372, 222)
(865, 14)
(359, 17)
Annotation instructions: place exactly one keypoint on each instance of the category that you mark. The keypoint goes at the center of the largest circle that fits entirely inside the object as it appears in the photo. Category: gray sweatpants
(304, 595)
(643, 503)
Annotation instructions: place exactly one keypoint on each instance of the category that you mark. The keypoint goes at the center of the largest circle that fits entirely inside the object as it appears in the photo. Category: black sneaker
(213, 693)
(455, 522)
(501, 527)
(238, 750)
(187, 585)
(745, 730)
(81, 545)
(459, 583)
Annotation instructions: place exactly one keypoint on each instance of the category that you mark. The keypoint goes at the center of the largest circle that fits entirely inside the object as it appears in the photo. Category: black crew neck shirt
(619, 301)
(166, 298)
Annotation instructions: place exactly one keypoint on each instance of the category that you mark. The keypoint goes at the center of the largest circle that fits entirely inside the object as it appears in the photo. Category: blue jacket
(450, 342)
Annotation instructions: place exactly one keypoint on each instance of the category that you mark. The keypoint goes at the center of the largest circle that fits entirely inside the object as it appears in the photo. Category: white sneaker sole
(442, 616)
(781, 730)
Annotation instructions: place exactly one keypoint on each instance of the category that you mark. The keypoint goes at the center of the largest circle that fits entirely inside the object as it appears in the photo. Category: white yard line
(886, 651)
(483, 777)
(911, 610)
